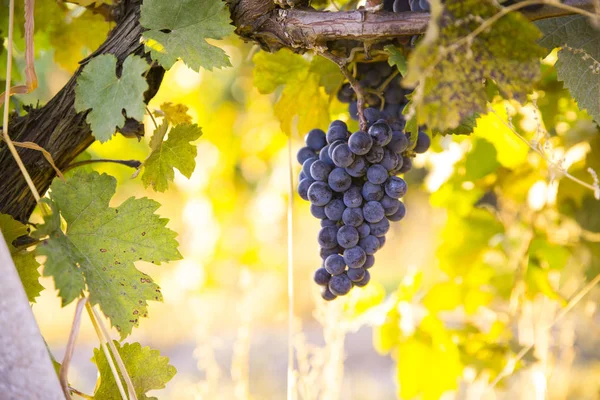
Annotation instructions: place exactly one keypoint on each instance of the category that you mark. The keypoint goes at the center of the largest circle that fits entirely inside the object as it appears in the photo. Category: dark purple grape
(332, 147)
(322, 277)
(369, 262)
(399, 142)
(317, 211)
(355, 257)
(324, 253)
(381, 241)
(336, 132)
(324, 156)
(307, 164)
(315, 139)
(327, 222)
(352, 197)
(363, 230)
(390, 160)
(360, 143)
(399, 214)
(334, 209)
(340, 284)
(353, 110)
(346, 93)
(370, 191)
(358, 168)
(394, 187)
(320, 170)
(347, 236)
(376, 174)
(338, 180)
(342, 156)
(335, 265)
(304, 154)
(394, 95)
(381, 133)
(371, 114)
(423, 143)
(353, 216)
(303, 186)
(364, 281)
(401, 6)
(370, 244)
(373, 212)
(406, 165)
(326, 294)
(390, 205)
(375, 155)
(356, 274)
(380, 228)
(319, 193)
(327, 237)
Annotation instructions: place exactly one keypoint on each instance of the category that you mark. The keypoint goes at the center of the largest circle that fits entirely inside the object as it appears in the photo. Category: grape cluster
(352, 184)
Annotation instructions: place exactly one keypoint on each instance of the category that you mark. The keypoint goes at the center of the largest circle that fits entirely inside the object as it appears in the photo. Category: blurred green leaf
(481, 160)
(396, 58)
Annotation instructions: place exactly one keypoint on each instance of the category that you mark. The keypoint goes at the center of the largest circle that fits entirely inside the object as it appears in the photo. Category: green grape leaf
(189, 23)
(146, 367)
(536, 278)
(578, 64)
(175, 152)
(451, 75)
(304, 84)
(100, 245)
(481, 160)
(99, 89)
(396, 58)
(25, 262)
(466, 127)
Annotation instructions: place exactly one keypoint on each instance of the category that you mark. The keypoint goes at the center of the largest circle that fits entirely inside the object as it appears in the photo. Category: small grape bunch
(352, 185)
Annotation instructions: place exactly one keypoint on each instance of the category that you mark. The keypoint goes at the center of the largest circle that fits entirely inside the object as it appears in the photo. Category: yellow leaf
(176, 113)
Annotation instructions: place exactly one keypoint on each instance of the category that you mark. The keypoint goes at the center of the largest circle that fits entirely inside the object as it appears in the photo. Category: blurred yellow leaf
(443, 296)
(176, 114)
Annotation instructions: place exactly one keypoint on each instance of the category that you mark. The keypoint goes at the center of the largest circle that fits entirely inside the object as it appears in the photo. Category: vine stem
(64, 367)
(151, 116)
(128, 163)
(360, 96)
(561, 314)
(544, 156)
(131, 389)
(9, 143)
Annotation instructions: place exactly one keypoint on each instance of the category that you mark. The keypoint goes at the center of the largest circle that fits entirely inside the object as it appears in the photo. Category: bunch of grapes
(352, 184)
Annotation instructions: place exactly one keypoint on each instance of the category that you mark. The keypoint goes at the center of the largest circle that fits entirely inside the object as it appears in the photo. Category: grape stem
(360, 96)
(128, 163)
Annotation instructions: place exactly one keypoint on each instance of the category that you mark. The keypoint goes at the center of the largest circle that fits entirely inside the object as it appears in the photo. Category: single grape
(320, 170)
(319, 193)
(390, 160)
(327, 222)
(399, 142)
(303, 186)
(352, 197)
(399, 214)
(391, 111)
(406, 165)
(327, 237)
(346, 93)
(371, 114)
(327, 294)
(358, 168)
(315, 139)
(373, 211)
(335, 265)
(336, 132)
(381, 133)
(401, 6)
(338, 180)
(394, 95)
(334, 209)
(347, 236)
(355, 257)
(338, 122)
(342, 156)
(390, 205)
(307, 164)
(398, 126)
(353, 216)
(372, 78)
(363, 230)
(423, 143)
(381, 241)
(322, 277)
(356, 274)
(340, 284)
(364, 281)
(353, 110)
(376, 174)
(375, 155)
(380, 228)
(370, 244)
(360, 143)
(394, 187)
(324, 253)
(369, 262)
(304, 154)
(302, 176)
(317, 211)
(324, 156)
(370, 191)
(332, 147)
(383, 67)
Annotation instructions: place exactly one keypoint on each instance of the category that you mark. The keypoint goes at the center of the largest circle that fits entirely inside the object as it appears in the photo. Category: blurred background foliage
(466, 297)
